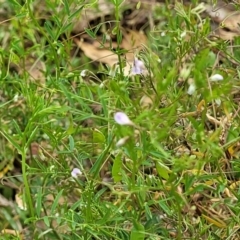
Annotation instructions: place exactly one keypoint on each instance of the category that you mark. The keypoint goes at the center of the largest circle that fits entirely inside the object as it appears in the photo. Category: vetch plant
(124, 166)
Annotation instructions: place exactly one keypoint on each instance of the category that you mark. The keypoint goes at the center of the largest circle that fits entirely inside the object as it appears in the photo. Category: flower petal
(122, 119)
(138, 67)
(218, 101)
(122, 141)
(191, 89)
(76, 172)
(216, 77)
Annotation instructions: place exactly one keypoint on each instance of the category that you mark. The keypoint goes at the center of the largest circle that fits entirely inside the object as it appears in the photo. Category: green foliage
(146, 180)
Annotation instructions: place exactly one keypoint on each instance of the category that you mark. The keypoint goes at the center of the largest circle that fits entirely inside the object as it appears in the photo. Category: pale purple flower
(122, 119)
(76, 172)
(216, 77)
(138, 67)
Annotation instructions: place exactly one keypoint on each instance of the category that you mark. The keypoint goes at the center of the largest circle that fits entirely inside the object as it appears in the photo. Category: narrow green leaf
(163, 171)
(148, 211)
(39, 202)
(117, 168)
(46, 221)
(20, 15)
(74, 15)
(97, 28)
(3, 164)
(48, 27)
(56, 200)
(90, 33)
(5, 103)
(98, 137)
(32, 135)
(15, 3)
(52, 109)
(15, 124)
(119, 39)
(65, 28)
(12, 141)
(97, 165)
(202, 60)
(104, 39)
(66, 6)
(58, 23)
(40, 165)
(165, 207)
(17, 47)
(71, 143)
(71, 129)
(137, 232)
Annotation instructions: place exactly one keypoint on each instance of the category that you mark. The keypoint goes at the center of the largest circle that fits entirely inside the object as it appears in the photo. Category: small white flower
(138, 67)
(122, 141)
(15, 99)
(52, 168)
(185, 72)
(101, 85)
(84, 73)
(218, 101)
(191, 89)
(216, 77)
(183, 34)
(76, 172)
(122, 119)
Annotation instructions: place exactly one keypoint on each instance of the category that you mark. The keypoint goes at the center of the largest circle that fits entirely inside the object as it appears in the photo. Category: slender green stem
(118, 36)
(26, 185)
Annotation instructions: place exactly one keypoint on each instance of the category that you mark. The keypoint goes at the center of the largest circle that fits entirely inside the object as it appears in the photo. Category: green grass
(176, 174)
